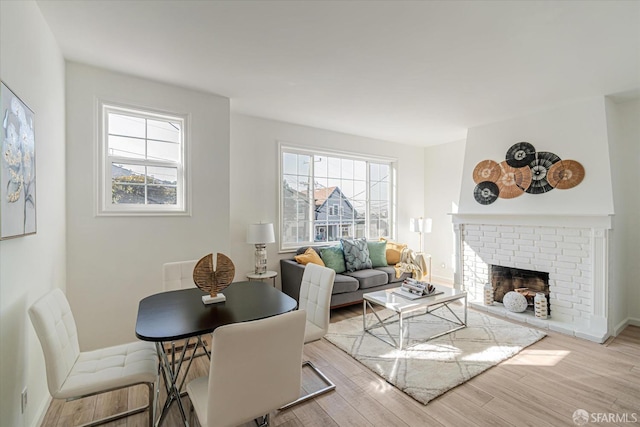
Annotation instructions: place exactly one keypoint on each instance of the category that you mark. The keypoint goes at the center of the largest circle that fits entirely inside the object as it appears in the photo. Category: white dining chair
(315, 299)
(178, 275)
(73, 374)
(255, 369)
(175, 276)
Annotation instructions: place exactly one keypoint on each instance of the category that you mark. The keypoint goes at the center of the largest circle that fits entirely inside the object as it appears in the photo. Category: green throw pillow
(356, 254)
(333, 258)
(378, 253)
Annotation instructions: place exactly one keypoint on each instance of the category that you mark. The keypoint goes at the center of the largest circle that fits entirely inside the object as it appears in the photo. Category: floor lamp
(422, 225)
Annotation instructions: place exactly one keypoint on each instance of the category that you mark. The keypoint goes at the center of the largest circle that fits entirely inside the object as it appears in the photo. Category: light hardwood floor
(541, 386)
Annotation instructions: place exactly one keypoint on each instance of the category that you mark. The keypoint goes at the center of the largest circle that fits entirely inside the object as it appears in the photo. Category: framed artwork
(17, 167)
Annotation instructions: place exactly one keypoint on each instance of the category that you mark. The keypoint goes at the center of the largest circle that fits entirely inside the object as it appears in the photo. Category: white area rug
(426, 369)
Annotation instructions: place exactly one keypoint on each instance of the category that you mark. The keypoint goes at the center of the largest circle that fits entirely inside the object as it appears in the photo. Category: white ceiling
(418, 72)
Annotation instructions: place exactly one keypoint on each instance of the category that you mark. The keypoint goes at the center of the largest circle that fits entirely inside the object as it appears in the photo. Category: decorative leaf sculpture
(210, 280)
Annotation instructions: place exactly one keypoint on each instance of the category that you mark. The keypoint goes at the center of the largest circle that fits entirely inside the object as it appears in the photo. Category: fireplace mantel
(540, 220)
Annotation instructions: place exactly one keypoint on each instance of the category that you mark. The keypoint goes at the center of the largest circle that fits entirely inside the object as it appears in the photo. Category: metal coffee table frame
(402, 306)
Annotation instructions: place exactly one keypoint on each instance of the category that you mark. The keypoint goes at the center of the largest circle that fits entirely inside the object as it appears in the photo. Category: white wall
(113, 262)
(254, 178)
(576, 131)
(624, 136)
(32, 66)
(443, 178)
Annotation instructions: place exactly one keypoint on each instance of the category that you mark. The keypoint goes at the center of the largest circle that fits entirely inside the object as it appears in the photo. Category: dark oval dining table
(175, 315)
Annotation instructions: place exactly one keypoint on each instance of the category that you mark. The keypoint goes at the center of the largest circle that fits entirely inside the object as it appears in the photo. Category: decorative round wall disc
(539, 170)
(486, 192)
(520, 154)
(210, 280)
(513, 182)
(565, 174)
(486, 170)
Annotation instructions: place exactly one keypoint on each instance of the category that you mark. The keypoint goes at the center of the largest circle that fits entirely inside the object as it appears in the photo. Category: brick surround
(574, 254)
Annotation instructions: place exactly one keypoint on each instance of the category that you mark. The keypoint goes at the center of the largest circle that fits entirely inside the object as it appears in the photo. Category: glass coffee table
(404, 308)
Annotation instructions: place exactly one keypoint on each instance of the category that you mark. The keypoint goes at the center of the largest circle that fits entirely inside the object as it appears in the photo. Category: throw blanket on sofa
(408, 264)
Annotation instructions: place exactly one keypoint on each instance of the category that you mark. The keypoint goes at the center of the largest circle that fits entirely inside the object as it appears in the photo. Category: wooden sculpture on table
(213, 280)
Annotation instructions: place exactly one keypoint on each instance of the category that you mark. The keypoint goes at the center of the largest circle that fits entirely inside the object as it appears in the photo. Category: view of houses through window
(143, 160)
(329, 197)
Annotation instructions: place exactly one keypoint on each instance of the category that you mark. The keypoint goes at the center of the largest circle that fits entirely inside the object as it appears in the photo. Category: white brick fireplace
(572, 249)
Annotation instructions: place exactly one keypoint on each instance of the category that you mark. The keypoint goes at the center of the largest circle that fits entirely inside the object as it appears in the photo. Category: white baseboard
(626, 322)
(42, 411)
(442, 280)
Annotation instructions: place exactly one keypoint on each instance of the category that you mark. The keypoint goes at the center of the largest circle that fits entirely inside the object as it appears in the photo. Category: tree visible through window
(143, 161)
(328, 197)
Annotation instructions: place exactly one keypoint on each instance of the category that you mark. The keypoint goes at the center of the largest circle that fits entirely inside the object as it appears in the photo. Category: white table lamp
(260, 235)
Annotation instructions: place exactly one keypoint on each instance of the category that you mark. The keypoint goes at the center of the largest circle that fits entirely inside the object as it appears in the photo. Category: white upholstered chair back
(255, 369)
(56, 329)
(315, 299)
(178, 275)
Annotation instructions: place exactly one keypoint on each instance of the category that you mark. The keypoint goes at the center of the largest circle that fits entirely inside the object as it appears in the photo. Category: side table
(262, 276)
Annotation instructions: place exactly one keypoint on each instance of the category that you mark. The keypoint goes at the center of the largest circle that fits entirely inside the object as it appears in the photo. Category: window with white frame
(328, 196)
(142, 162)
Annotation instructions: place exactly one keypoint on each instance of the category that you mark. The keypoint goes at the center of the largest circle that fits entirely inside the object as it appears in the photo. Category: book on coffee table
(409, 295)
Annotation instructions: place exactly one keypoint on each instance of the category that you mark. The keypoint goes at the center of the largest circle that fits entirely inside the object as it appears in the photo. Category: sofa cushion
(309, 256)
(378, 253)
(369, 278)
(391, 272)
(394, 251)
(344, 284)
(356, 254)
(333, 257)
(303, 249)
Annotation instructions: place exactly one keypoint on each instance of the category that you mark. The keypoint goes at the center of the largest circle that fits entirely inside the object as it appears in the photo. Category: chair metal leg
(150, 406)
(330, 386)
(262, 421)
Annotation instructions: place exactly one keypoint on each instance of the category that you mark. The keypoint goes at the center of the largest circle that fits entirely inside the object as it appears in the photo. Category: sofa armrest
(291, 277)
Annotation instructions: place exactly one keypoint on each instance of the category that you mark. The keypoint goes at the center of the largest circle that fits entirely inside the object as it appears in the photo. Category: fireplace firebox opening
(526, 282)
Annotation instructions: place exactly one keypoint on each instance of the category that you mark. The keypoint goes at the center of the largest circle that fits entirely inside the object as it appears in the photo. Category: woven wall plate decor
(520, 154)
(513, 181)
(565, 174)
(539, 169)
(214, 280)
(486, 192)
(524, 170)
(486, 170)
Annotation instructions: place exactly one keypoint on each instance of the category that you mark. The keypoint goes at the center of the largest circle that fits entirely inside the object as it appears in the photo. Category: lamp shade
(415, 225)
(426, 225)
(420, 225)
(260, 233)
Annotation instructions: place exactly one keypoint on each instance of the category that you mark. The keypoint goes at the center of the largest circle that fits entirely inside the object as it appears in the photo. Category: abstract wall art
(17, 167)
(524, 170)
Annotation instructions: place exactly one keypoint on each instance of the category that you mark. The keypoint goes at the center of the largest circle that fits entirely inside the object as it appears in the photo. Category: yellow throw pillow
(394, 251)
(309, 256)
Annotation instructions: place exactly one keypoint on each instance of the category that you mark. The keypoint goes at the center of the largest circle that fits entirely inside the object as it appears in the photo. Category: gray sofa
(348, 287)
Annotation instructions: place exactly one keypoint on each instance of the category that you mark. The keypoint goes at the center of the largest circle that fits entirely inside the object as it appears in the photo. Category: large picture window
(143, 166)
(328, 196)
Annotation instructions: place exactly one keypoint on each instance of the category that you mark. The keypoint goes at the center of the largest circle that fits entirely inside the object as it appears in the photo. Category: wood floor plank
(469, 409)
(546, 382)
(362, 402)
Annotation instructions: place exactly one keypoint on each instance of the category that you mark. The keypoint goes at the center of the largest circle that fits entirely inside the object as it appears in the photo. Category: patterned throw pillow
(309, 256)
(378, 253)
(394, 252)
(333, 258)
(356, 254)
